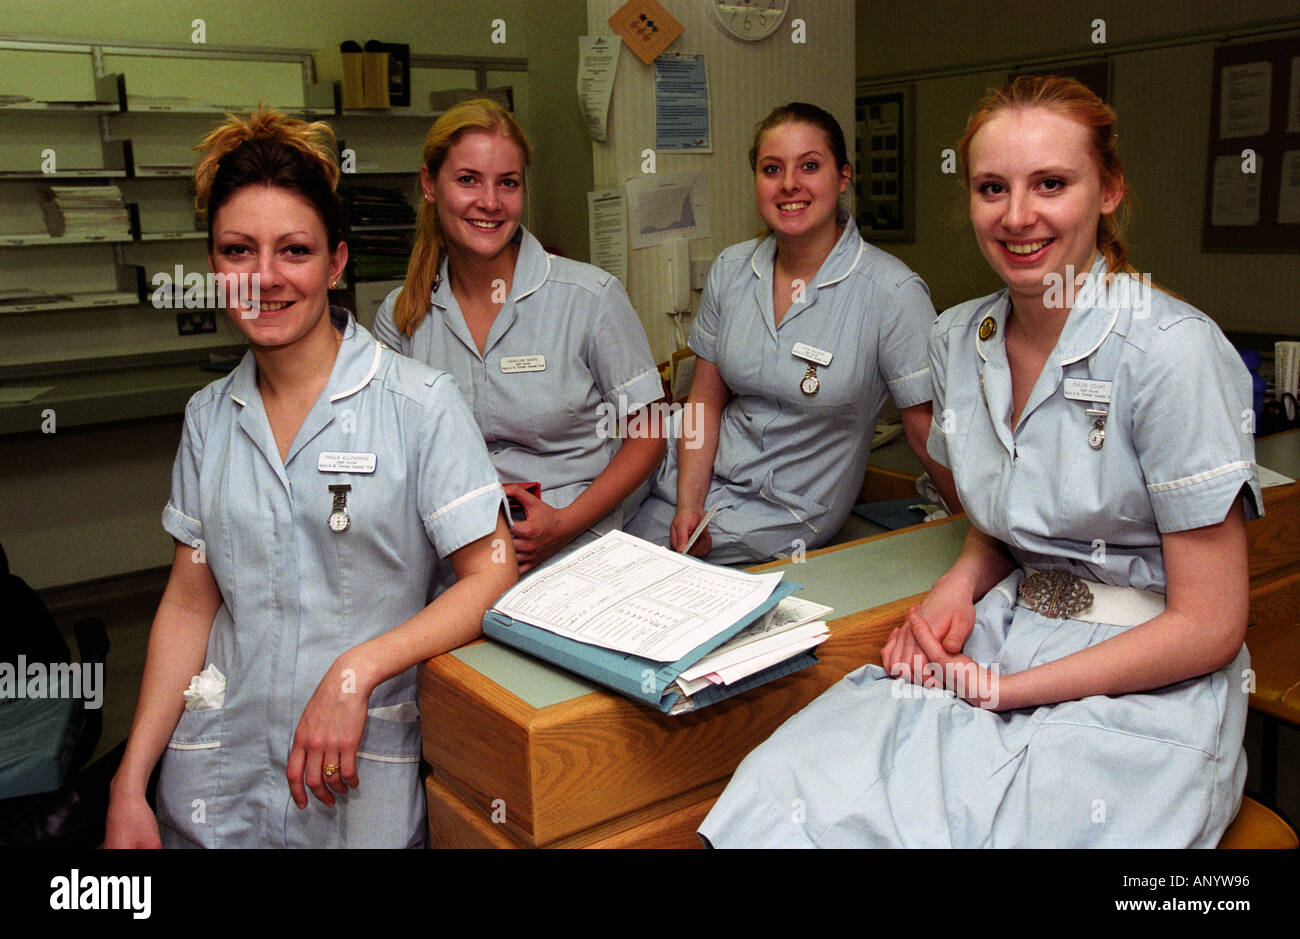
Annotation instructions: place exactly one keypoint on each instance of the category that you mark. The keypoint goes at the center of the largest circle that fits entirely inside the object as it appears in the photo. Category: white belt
(1060, 595)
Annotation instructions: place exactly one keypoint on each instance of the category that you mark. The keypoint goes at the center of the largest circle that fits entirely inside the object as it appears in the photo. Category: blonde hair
(269, 149)
(1074, 100)
(479, 114)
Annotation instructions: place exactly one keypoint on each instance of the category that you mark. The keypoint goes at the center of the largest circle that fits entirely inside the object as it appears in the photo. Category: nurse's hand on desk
(329, 732)
(542, 531)
(684, 523)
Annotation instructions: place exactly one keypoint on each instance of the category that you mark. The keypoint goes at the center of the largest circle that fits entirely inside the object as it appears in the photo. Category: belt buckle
(1055, 594)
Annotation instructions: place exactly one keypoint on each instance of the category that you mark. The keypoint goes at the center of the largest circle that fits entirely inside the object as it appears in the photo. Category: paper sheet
(666, 207)
(646, 27)
(1288, 195)
(607, 228)
(1236, 194)
(682, 118)
(1268, 477)
(629, 595)
(597, 64)
(1244, 99)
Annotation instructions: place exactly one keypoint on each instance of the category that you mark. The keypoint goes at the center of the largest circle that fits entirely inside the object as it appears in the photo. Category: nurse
(318, 490)
(548, 351)
(1075, 679)
(800, 337)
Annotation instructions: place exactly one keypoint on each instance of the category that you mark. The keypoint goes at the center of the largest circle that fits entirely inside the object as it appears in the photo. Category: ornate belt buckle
(1056, 594)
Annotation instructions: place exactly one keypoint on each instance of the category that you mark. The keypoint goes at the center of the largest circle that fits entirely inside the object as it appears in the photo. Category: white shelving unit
(125, 115)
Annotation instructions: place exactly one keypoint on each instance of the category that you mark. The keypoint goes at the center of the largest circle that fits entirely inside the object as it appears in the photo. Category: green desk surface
(850, 579)
(1280, 453)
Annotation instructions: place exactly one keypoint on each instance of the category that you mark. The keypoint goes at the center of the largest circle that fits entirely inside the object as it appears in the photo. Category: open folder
(632, 616)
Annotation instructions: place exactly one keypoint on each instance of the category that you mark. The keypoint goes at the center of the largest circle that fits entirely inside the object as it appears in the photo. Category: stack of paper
(86, 212)
(633, 616)
(794, 626)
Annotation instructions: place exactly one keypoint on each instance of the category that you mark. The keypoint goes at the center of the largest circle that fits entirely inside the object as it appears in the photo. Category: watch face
(338, 521)
(809, 385)
(1096, 437)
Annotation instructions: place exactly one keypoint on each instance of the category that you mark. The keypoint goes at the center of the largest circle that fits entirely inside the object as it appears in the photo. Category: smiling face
(277, 235)
(1036, 196)
(796, 182)
(479, 194)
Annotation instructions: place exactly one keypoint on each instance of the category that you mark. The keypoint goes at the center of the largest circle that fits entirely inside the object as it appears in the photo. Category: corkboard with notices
(1252, 187)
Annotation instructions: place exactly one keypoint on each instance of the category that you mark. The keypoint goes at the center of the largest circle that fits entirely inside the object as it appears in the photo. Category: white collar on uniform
(839, 264)
(354, 366)
(1092, 317)
(532, 267)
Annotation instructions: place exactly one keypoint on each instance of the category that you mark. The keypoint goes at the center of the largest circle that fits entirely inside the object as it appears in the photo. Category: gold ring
(330, 769)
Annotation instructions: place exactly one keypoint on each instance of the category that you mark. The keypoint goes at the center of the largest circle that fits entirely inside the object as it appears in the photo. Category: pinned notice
(646, 27)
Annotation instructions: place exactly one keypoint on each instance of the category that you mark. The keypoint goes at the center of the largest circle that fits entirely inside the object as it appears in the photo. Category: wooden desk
(526, 755)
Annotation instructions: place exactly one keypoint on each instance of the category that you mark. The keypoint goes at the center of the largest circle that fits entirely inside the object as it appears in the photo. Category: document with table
(635, 617)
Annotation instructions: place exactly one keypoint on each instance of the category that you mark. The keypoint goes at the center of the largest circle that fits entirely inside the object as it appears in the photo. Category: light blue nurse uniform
(882, 762)
(789, 465)
(296, 594)
(565, 356)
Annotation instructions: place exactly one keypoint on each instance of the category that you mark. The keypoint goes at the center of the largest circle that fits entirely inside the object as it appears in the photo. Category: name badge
(334, 462)
(811, 354)
(523, 363)
(1087, 389)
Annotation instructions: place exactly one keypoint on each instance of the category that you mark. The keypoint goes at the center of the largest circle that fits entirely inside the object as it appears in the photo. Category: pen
(699, 529)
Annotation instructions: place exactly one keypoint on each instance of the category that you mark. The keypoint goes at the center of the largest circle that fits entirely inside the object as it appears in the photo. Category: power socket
(194, 322)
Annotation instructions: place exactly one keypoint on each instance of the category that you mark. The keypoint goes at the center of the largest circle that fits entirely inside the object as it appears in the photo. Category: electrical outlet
(194, 322)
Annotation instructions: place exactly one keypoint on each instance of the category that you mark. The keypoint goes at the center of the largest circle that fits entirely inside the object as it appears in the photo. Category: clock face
(750, 20)
(809, 385)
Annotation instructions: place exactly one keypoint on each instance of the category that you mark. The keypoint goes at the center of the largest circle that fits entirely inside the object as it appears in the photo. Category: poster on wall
(682, 120)
(884, 166)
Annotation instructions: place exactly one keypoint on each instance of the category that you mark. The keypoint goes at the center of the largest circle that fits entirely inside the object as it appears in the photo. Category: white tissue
(207, 690)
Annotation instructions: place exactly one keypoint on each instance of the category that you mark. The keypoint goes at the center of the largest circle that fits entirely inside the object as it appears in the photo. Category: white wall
(746, 81)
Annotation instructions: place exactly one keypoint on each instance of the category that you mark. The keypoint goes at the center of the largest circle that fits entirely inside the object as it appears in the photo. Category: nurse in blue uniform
(549, 352)
(800, 337)
(317, 492)
(1078, 677)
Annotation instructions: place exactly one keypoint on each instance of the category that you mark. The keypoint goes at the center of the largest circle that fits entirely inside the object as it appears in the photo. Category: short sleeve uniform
(566, 355)
(1160, 768)
(296, 593)
(789, 464)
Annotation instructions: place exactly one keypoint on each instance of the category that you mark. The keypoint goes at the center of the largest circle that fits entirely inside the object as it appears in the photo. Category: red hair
(1073, 100)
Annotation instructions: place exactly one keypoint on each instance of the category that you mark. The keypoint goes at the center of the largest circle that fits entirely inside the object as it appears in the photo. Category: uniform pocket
(190, 780)
(391, 734)
(387, 809)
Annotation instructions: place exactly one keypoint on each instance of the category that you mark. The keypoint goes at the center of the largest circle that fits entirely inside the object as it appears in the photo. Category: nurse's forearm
(696, 453)
(981, 565)
(485, 569)
(636, 459)
(178, 642)
(916, 426)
